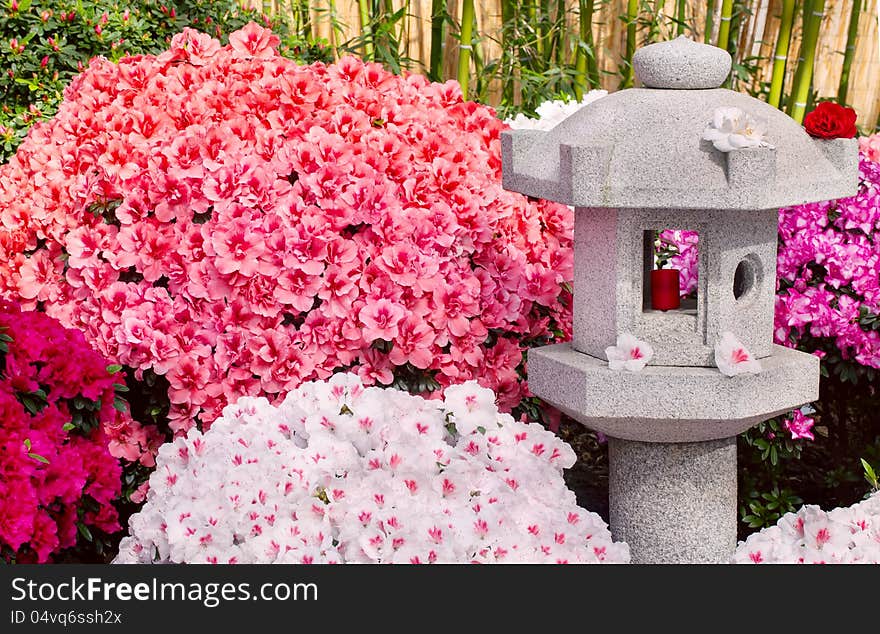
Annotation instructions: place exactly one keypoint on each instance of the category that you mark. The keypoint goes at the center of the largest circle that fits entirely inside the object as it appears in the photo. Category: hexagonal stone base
(670, 404)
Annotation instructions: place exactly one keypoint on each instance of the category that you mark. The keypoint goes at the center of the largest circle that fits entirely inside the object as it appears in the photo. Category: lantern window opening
(670, 264)
(747, 279)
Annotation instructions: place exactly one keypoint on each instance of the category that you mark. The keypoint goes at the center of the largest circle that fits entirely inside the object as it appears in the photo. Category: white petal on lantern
(629, 354)
(732, 357)
(732, 129)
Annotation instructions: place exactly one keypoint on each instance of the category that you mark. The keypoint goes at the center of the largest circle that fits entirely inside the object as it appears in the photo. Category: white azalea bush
(813, 536)
(342, 473)
(551, 113)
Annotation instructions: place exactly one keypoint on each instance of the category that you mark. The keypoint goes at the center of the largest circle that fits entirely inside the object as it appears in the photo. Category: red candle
(665, 289)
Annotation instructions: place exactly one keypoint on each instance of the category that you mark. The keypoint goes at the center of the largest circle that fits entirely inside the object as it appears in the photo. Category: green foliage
(538, 59)
(765, 455)
(765, 509)
(45, 44)
(870, 475)
(382, 35)
(827, 471)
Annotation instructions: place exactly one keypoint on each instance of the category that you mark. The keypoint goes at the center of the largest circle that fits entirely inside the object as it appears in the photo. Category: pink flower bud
(104, 18)
(98, 29)
(14, 5)
(125, 15)
(44, 62)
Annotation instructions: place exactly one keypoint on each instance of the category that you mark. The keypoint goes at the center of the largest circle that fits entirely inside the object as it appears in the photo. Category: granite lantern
(632, 163)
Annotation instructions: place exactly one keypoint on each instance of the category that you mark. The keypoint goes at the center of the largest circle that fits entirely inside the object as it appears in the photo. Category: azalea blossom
(732, 129)
(57, 477)
(800, 425)
(629, 354)
(732, 357)
(338, 472)
(843, 535)
(237, 224)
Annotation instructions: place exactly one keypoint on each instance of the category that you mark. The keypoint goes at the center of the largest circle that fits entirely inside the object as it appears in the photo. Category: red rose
(831, 121)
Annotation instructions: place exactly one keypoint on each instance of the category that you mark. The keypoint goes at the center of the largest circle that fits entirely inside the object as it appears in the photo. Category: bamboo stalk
(534, 17)
(465, 44)
(336, 35)
(544, 30)
(558, 34)
(710, 21)
(366, 29)
(780, 55)
(851, 37)
(632, 14)
(583, 78)
(724, 26)
(305, 12)
(508, 16)
(438, 20)
(801, 91)
(806, 13)
(680, 17)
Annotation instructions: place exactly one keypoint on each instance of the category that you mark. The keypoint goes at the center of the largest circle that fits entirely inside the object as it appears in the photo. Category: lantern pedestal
(674, 502)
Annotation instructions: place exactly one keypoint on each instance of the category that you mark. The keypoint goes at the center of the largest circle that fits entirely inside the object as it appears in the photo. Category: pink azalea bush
(812, 536)
(56, 472)
(829, 272)
(339, 472)
(238, 224)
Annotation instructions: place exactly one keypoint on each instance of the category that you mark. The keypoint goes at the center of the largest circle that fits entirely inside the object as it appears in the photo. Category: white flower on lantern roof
(732, 357)
(733, 129)
(629, 354)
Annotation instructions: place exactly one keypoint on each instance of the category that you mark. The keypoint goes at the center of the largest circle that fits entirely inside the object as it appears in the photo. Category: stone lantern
(632, 163)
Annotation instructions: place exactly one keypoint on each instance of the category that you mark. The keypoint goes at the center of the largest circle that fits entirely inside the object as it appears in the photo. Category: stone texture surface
(681, 63)
(611, 268)
(674, 503)
(670, 404)
(643, 148)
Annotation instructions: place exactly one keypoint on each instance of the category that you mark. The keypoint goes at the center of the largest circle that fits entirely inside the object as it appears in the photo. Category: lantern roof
(645, 147)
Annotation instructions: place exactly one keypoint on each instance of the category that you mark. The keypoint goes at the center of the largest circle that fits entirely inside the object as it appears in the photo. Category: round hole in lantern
(665, 289)
(747, 277)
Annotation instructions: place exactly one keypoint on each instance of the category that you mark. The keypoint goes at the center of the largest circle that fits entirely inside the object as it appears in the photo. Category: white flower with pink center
(732, 357)
(342, 473)
(629, 354)
(813, 536)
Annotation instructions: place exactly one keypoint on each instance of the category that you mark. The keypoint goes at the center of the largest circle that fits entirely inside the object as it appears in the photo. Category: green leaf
(38, 458)
(83, 530)
(27, 444)
(68, 426)
(29, 404)
(113, 369)
(119, 387)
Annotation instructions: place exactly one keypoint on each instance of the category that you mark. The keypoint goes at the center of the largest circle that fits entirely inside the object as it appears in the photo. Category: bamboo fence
(755, 40)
